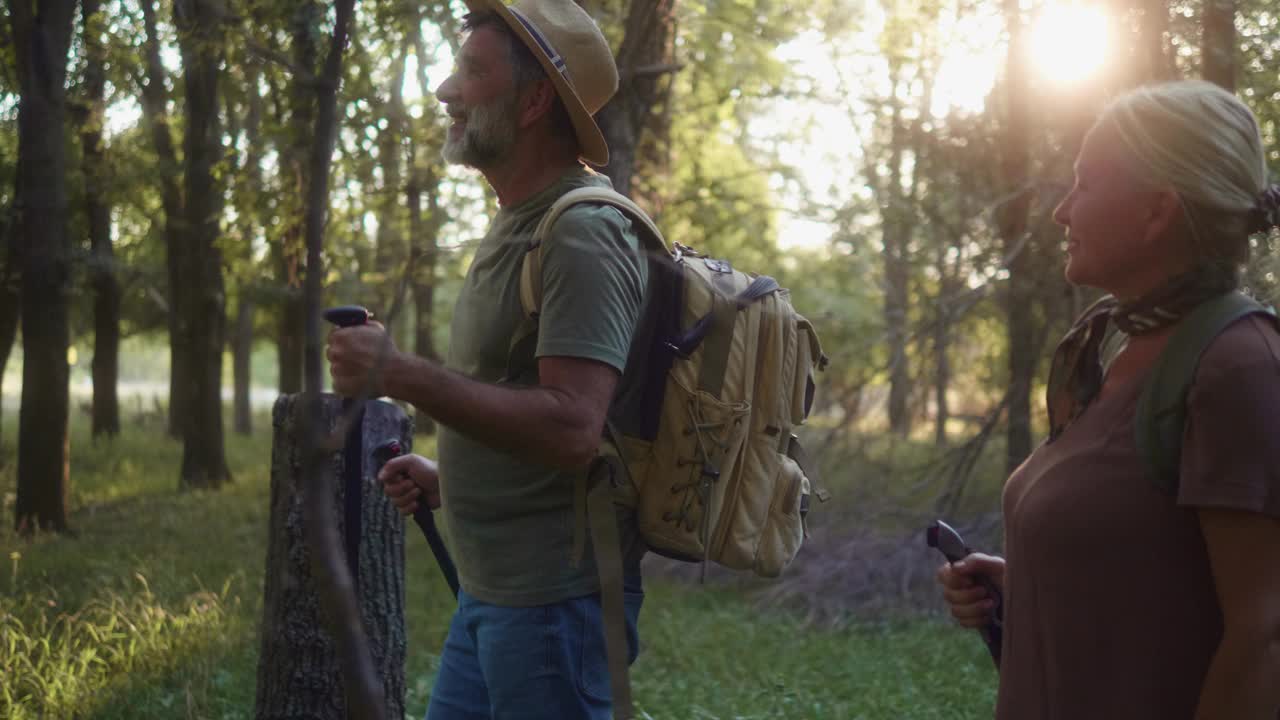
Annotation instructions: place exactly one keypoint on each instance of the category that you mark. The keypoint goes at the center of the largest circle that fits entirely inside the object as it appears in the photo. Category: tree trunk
(154, 104)
(1020, 294)
(289, 341)
(365, 700)
(424, 344)
(389, 252)
(425, 238)
(897, 296)
(1153, 47)
(251, 177)
(941, 379)
(41, 37)
(640, 105)
(290, 254)
(179, 381)
(298, 669)
(10, 306)
(106, 289)
(204, 461)
(1218, 43)
(943, 318)
(316, 209)
(243, 349)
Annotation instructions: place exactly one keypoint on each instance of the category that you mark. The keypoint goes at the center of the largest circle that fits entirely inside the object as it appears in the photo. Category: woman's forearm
(1243, 682)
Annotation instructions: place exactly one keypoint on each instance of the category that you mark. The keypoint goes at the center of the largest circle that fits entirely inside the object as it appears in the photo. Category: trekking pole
(423, 517)
(352, 447)
(350, 316)
(943, 537)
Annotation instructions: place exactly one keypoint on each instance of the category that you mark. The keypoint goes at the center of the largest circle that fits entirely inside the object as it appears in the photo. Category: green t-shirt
(511, 521)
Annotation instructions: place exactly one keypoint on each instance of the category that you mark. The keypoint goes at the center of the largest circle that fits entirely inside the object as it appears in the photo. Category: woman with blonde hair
(1124, 598)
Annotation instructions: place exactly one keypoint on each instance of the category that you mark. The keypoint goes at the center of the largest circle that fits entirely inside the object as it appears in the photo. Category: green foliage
(717, 196)
(96, 622)
(845, 310)
(58, 663)
(704, 660)
(716, 181)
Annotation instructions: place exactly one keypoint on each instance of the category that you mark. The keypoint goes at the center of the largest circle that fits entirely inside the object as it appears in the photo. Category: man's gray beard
(488, 136)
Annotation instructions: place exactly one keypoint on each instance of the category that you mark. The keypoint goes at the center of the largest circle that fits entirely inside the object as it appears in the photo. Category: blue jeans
(529, 663)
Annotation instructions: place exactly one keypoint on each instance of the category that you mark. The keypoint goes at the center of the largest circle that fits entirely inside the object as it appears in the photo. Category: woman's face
(1117, 225)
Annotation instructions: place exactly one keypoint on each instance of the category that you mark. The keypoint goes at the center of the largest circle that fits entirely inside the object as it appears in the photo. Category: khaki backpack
(700, 432)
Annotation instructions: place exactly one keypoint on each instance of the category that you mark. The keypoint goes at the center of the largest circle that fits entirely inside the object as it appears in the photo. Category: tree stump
(298, 668)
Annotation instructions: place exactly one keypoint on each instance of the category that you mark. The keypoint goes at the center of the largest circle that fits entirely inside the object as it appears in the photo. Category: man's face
(482, 100)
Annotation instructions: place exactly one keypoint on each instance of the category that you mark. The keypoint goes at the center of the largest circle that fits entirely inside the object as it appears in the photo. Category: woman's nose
(1062, 213)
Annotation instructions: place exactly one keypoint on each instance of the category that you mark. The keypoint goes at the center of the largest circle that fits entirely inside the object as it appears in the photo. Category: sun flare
(1069, 43)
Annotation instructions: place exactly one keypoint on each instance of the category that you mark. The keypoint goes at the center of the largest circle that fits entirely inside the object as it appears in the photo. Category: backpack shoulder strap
(531, 270)
(1162, 407)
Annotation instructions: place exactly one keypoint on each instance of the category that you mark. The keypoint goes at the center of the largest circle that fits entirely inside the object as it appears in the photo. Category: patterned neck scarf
(1076, 373)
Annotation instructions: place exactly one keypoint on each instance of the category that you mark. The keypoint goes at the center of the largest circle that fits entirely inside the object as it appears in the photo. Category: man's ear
(536, 102)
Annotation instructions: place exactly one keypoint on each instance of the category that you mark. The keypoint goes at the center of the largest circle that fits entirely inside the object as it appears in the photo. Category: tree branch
(334, 581)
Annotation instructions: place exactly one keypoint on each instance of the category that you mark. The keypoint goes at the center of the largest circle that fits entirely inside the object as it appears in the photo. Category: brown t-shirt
(1110, 606)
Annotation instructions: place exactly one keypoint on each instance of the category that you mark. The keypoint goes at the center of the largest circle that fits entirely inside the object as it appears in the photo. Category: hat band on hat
(556, 61)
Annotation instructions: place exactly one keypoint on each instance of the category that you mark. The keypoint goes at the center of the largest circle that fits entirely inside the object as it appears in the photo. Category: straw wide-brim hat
(575, 56)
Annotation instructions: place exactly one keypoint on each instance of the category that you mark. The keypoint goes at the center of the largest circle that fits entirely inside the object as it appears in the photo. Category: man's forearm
(1241, 682)
(537, 423)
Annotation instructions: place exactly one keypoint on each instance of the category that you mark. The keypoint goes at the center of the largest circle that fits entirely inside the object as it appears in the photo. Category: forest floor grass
(151, 610)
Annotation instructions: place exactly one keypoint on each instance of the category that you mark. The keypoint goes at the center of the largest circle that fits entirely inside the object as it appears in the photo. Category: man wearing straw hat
(519, 423)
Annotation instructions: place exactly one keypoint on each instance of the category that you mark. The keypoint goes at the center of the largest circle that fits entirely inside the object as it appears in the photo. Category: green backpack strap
(525, 339)
(1162, 408)
(531, 269)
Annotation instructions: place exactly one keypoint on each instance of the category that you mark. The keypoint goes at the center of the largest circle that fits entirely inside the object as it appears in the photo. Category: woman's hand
(408, 479)
(971, 605)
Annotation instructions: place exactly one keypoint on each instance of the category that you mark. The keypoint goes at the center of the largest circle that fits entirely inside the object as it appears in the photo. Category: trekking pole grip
(348, 315)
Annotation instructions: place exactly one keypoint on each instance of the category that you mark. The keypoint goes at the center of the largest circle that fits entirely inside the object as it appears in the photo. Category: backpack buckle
(718, 266)
(681, 251)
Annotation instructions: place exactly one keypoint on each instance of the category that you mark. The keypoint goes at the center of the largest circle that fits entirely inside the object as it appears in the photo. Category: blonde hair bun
(1202, 142)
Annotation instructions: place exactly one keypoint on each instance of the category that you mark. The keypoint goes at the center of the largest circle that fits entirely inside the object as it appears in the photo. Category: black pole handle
(348, 315)
(947, 541)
